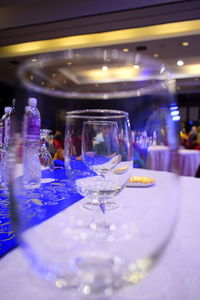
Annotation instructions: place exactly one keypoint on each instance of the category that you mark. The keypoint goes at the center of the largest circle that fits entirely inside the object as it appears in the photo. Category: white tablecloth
(176, 277)
(158, 158)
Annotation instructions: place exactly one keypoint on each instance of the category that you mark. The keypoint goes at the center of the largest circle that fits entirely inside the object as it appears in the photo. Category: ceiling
(167, 47)
(168, 51)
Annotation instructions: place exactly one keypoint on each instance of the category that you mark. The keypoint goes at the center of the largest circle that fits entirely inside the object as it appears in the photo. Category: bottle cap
(32, 102)
(7, 109)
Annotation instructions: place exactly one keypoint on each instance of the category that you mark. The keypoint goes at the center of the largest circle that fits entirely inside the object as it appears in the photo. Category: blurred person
(183, 137)
(198, 134)
(192, 138)
(58, 142)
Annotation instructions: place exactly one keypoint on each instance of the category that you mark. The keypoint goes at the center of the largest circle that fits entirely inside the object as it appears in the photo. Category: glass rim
(71, 83)
(84, 114)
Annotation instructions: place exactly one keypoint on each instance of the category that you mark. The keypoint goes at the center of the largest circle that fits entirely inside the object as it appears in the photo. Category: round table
(189, 161)
(158, 158)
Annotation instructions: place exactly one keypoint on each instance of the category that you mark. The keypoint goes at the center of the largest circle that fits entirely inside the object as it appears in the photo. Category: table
(158, 158)
(175, 278)
(51, 207)
(189, 161)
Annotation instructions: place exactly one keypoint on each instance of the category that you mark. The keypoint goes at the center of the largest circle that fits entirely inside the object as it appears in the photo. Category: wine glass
(102, 169)
(44, 154)
(61, 238)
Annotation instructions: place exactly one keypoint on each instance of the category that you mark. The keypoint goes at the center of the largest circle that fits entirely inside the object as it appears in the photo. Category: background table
(176, 277)
(158, 158)
(189, 161)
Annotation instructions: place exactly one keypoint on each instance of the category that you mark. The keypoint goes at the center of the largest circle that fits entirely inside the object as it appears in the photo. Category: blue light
(175, 113)
(174, 108)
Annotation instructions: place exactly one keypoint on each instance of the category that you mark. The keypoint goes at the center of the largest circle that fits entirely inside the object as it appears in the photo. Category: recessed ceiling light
(104, 68)
(53, 75)
(69, 63)
(162, 69)
(125, 50)
(185, 44)
(34, 59)
(156, 55)
(136, 66)
(42, 83)
(180, 63)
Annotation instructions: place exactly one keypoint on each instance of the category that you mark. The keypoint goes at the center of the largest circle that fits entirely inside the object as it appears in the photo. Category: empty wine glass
(103, 167)
(44, 154)
(62, 239)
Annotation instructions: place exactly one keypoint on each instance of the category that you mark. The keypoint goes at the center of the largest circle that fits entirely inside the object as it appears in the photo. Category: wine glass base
(107, 206)
(97, 278)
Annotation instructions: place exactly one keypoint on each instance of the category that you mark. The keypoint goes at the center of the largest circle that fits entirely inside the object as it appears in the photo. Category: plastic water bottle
(154, 138)
(144, 140)
(1, 148)
(6, 135)
(31, 133)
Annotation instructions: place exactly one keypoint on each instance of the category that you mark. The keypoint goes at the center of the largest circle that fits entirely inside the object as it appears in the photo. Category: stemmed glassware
(58, 226)
(102, 169)
(44, 154)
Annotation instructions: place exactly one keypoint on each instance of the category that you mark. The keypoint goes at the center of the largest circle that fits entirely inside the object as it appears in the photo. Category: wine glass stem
(99, 219)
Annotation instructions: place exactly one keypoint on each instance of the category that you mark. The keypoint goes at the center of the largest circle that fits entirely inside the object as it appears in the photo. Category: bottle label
(33, 127)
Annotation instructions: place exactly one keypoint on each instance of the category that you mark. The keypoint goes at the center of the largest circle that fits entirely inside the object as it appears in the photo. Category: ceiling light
(34, 59)
(53, 75)
(162, 69)
(156, 55)
(136, 66)
(185, 44)
(104, 68)
(69, 63)
(180, 63)
(42, 83)
(125, 50)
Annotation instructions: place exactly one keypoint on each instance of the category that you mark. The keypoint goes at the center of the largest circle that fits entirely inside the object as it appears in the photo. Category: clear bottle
(1, 147)
(154, 138)
(31, 144)
(6, 135)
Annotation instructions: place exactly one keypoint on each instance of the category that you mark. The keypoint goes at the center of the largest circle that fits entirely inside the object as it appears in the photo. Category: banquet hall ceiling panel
(15, 13)
(108, 18)
(101, 22)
